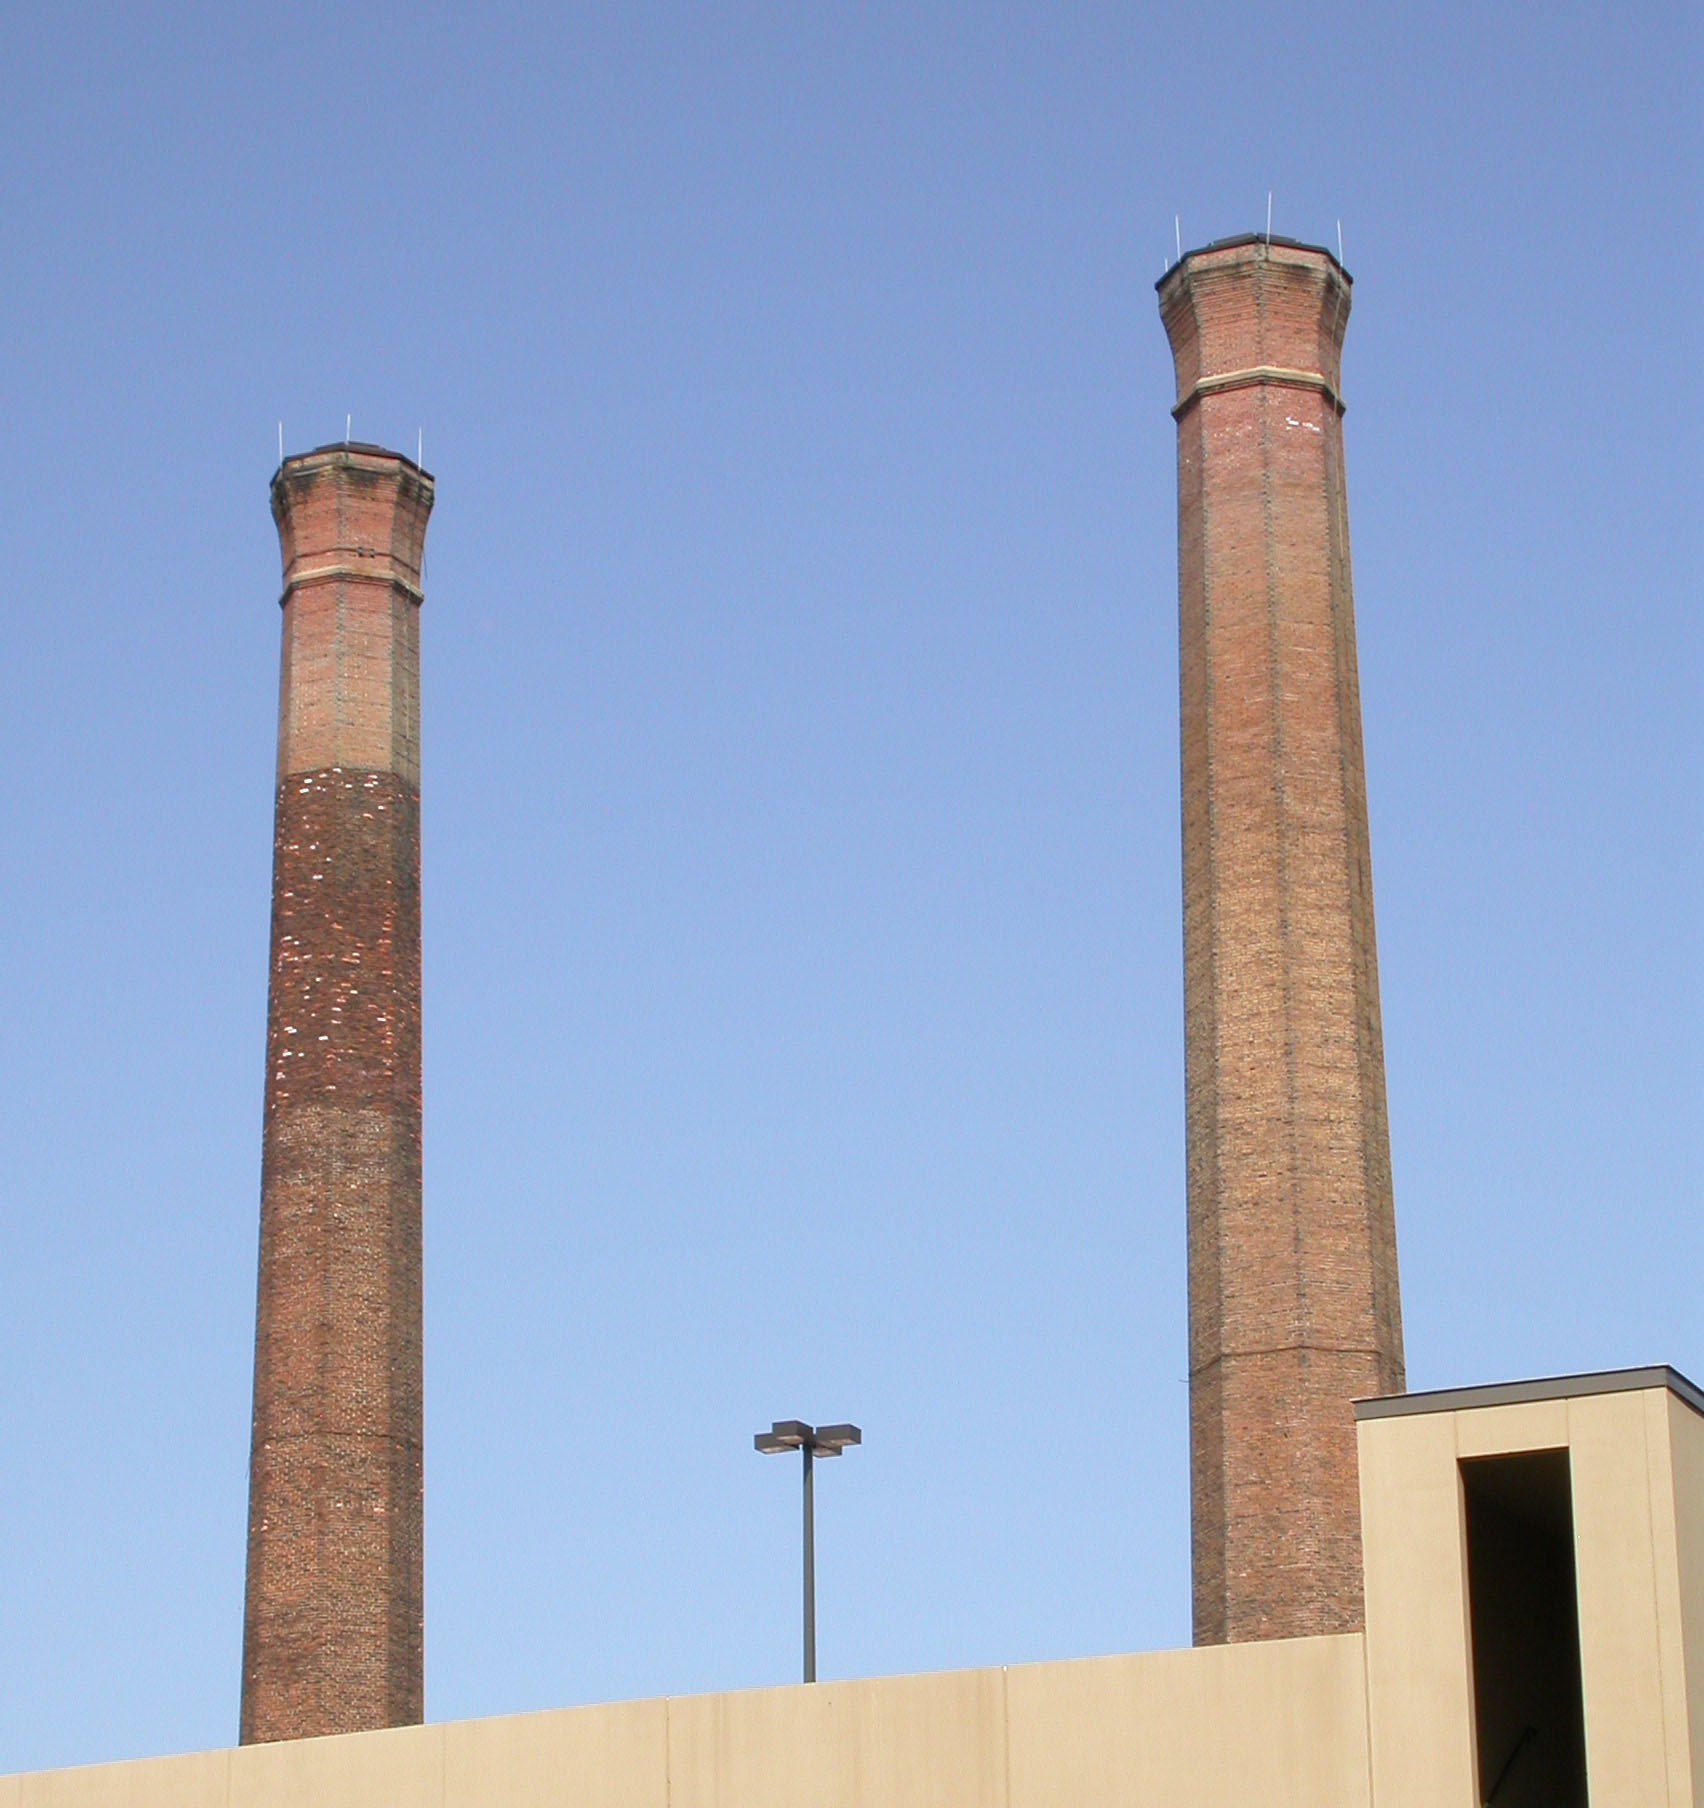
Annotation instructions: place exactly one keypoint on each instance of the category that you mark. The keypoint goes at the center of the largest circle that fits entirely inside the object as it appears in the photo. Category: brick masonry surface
(1293, 1298)
(333, 1618)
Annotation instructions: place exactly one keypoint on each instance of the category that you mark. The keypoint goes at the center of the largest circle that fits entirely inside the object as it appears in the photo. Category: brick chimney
(332, 1624)
(1293, 1302)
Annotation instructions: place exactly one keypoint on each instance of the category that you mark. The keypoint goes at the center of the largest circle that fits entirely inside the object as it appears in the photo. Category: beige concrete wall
(193, 1782)
(1631, 1661)
(1686, 1456)
(1275, 1725)
(1282, 1725)
(1637, 1463)
(1419, 1674)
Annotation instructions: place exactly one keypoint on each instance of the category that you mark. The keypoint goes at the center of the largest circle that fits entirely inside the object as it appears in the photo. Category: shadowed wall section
(333, 1619)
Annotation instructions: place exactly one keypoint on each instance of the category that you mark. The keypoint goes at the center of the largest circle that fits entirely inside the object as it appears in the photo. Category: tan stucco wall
(1635, 1511)
(1686, 1450)
(1281, 1725)
(1631, 1658)
(1419, 1684)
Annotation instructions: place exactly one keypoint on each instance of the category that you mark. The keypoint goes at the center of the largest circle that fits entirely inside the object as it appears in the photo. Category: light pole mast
(811, 1440)
(810, 1567)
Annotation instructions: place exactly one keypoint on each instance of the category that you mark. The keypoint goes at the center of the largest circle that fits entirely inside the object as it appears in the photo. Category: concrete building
(1492, 1595)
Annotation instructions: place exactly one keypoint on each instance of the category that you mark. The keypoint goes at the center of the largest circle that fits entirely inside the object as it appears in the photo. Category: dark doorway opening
(1525, 1613)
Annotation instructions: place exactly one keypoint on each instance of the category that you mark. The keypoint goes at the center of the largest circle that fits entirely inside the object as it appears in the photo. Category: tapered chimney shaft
(1293, 1303)
(332, 1628)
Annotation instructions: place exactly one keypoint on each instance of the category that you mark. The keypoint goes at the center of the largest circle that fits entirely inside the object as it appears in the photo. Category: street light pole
(811, 1441)
(810, 1568)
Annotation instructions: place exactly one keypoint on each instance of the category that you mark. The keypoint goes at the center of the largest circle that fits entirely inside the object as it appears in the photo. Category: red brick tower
(1293, 1305)
(332, 1626)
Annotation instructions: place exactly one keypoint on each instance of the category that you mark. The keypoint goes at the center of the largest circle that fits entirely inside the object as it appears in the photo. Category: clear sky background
(803, 998)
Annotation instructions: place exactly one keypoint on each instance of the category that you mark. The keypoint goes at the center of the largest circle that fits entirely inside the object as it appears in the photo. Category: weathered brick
(334, 1610)
(1293, 1299)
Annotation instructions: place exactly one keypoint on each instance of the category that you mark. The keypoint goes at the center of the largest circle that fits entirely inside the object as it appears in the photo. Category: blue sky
(803, 1013)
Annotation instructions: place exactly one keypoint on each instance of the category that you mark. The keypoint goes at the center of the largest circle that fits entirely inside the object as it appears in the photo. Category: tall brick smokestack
(1293, 1303)
(332, 1626)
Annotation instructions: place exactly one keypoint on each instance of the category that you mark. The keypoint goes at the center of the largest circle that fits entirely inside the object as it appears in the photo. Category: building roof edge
(1519, 1393)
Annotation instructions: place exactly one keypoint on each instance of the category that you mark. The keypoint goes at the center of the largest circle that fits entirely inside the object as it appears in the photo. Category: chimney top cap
(1254, 238)
(356, 453)
(365, 449)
